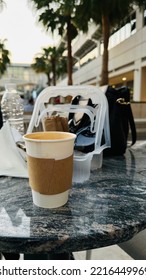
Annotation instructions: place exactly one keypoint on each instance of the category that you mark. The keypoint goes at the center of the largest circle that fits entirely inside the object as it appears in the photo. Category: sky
(24, 36)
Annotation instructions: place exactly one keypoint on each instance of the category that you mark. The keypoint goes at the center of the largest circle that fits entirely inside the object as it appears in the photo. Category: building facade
(127, 56)
(24, 77)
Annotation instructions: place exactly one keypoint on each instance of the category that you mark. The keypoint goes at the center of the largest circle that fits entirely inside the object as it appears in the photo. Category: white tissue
(12, 163)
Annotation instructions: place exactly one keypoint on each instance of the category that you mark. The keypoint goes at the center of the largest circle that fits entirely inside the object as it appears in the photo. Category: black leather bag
(121, 119)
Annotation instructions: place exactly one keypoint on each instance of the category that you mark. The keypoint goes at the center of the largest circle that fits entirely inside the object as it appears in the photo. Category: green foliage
(4, 58)
(61, 15)
(4, 53)
(51, 60)
(115, 10)
(55, 14)
(2, 4)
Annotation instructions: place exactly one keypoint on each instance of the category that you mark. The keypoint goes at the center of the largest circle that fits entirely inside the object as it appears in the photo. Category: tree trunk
(54, 71)
(49, 80)
(106, 34)
(69, 49)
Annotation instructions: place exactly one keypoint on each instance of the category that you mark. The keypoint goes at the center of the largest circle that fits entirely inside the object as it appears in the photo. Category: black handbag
(120, 119)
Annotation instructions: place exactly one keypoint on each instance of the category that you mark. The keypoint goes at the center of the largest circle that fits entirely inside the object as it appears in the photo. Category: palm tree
(50, 61)
(61, 15)
(4, 53)
(108, 14)
(2, 3)
(4, 58)
(40, 66)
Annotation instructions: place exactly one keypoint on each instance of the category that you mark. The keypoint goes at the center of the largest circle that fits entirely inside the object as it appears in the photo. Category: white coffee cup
(50, 166)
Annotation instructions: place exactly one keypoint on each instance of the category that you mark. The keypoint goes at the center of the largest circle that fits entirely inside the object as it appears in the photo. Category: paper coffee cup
(50, 166)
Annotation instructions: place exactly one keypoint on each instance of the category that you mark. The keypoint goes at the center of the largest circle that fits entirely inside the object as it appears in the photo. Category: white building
(24, 77)
(127, 56)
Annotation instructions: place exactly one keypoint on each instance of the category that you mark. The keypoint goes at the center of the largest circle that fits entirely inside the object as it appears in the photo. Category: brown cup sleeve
(50, 176)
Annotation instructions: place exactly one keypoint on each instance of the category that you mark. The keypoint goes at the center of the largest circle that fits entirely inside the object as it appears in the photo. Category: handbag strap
(130, 119)
(132, 125)
(124, 100)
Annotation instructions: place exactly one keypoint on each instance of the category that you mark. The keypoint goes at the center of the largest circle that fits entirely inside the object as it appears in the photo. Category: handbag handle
(132, 125)
(130, 119)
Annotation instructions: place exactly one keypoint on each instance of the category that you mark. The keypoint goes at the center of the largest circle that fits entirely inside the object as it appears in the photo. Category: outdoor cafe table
(108, 209)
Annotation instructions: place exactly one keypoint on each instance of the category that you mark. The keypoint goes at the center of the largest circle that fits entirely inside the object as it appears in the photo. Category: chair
(98, 116)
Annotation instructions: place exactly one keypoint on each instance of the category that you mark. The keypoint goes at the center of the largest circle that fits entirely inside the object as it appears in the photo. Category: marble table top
(108, 209)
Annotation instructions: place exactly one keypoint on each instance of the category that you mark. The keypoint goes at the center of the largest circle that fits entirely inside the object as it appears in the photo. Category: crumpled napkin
(12, 160)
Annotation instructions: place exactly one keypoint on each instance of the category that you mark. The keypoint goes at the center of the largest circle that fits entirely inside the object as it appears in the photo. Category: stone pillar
(137, 81)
